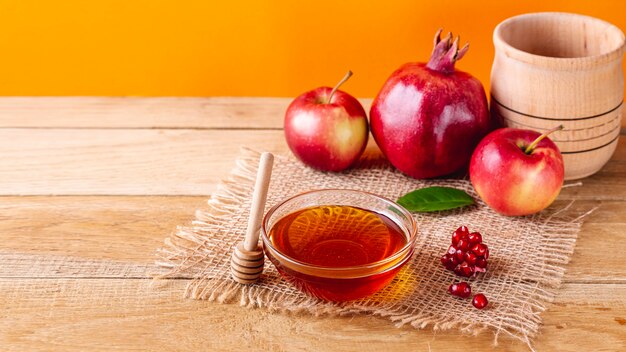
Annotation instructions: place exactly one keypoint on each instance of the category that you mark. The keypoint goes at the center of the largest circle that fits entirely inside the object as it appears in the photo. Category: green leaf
(435, 199)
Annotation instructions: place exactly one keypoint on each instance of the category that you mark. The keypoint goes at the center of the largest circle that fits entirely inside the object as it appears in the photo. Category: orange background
(241, 48)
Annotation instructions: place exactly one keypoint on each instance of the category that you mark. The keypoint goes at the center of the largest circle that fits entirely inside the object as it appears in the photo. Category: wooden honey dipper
(246, 264)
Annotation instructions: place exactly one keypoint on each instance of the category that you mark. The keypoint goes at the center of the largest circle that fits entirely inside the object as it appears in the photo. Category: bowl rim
(406, 249)
(564, 63)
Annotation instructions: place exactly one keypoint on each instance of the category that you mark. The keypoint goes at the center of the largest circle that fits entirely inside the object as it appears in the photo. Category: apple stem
(533, 145)
(343, 80)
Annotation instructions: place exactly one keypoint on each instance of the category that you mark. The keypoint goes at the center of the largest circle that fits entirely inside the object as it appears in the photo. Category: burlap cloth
(526, 264)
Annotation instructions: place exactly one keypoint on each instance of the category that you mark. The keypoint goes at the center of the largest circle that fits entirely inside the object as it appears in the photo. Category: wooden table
(89, 188)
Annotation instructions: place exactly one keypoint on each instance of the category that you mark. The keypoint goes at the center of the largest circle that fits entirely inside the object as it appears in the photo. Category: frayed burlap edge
(181, 255)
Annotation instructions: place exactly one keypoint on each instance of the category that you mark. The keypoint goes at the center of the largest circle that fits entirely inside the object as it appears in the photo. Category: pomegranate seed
(470, 258)
(444, 259)
(454, 260)
(463, 244)
(460, 255)
(480, 249)
(480, 301)
(474, 238)
(464, 270)
(448, 261)
(461, 232)
(460, 289)
(481, 263)
(455, 238)
(451, 250)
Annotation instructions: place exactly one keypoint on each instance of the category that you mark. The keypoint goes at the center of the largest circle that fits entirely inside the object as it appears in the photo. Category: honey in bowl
(339, 252)
(337, 236)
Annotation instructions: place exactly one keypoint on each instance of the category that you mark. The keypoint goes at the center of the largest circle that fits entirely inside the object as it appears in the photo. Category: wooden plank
(88, 236)
(172, 162)
(89, 228)
(147, 112)
(134, 112)
(76, 315)
(132, 162)
(116, 237)
(592, 259)
(108, 112)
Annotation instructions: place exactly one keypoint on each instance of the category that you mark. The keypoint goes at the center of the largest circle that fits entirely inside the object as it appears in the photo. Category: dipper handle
(261, 186)
(247, 260)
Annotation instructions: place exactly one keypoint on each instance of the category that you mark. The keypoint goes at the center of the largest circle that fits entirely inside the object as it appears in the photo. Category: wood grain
(116, 237)
(74, 267)
(169, 112)
(121, 229)
(171, 162)
(165, 112)
(130, 314)
(122, 161)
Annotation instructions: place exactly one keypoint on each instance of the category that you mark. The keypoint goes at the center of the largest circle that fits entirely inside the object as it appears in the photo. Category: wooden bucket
(561, 68)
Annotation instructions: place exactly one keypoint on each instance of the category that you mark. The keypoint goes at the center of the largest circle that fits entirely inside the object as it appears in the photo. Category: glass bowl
(339, 283)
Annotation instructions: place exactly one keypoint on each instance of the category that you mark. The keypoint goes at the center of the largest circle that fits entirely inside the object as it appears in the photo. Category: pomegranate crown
(445, 53)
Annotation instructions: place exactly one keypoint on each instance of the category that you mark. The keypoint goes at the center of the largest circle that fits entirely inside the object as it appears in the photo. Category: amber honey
(324, 240)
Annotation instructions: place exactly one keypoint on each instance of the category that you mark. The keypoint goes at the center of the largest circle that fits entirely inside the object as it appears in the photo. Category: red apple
(428, 117)
(517, 172)
(326, 128)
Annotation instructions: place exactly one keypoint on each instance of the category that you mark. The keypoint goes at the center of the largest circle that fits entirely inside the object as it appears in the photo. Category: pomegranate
(428, 117)
(480, 301)
(467, 255)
